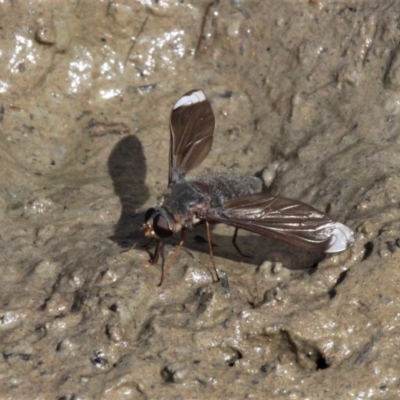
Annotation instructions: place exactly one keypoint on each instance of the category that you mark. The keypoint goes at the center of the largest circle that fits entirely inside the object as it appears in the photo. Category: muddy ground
(308, 91)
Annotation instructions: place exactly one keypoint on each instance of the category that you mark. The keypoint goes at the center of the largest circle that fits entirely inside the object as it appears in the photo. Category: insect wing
(289, 220)
(192, 125)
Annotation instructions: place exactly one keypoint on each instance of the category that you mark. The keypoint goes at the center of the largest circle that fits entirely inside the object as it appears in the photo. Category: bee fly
(235, 201)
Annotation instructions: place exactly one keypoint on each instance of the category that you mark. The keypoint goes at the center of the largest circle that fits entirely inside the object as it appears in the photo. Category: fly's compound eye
(161, 226)
(149, 215)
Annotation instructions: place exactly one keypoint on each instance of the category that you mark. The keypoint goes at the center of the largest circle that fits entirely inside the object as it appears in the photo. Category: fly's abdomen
(226, 187)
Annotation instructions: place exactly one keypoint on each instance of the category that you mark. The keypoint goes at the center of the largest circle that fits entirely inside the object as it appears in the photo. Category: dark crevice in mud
(368, 247)
(364, 356)
(79, 298)
(54, 288)
(267, 368)
(67, 397)
(21, 356)
(237, 355)
(393, 245)
(99, 360)
(108, 332)
(271, 294)
(332, 292)
(321, 361)
(306, 355)
(205, 296)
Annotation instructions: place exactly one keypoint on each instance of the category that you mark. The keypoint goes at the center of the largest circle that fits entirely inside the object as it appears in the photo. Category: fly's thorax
(184, 200)
(160, 200)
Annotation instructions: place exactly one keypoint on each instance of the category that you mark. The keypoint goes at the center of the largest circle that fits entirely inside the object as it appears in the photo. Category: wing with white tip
(192, 125)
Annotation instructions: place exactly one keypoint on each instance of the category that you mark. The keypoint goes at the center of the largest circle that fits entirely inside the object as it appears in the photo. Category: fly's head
(159, 223)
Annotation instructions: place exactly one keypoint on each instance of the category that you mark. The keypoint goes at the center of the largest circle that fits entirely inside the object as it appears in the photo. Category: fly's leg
(210, 248)
(132, 246)
(154, 258)
(203, 24)
(236, 246)
(164, 270)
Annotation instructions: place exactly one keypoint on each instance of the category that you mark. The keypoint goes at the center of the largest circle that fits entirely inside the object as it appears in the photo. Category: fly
(235, 201)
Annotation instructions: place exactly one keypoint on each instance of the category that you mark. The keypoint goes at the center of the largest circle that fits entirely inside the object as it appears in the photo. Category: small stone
(45, 33)
(265, 267)
(268, 176)
(269, 173)
(276, 268)
(175, 373)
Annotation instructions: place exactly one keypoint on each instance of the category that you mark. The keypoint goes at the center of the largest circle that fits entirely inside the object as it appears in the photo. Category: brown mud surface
(308, 91)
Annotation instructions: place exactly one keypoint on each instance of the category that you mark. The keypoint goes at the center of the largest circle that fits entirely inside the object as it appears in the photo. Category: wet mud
(306, 94)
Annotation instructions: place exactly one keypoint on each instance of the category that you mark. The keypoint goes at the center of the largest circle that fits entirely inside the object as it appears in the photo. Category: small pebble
(175, 373)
